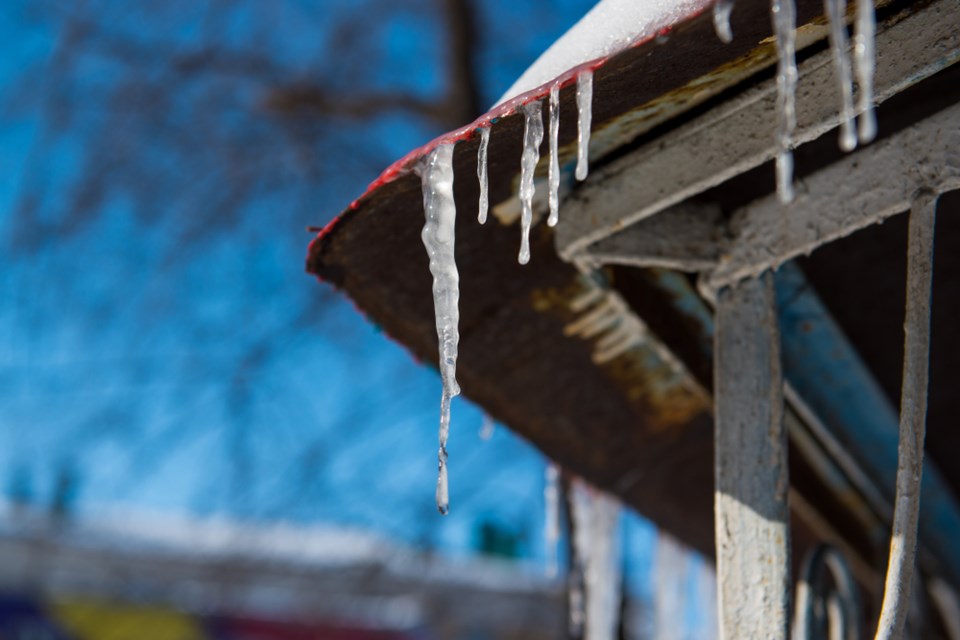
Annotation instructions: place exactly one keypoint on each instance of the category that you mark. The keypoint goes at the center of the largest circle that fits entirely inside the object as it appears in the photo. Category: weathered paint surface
(752, 514)
(737, 135)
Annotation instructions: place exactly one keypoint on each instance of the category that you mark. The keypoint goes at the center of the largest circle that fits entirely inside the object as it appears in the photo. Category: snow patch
(611, 26)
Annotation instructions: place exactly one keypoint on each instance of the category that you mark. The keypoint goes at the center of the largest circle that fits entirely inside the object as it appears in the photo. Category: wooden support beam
(738, 135)
(856, 192)
(752, 527)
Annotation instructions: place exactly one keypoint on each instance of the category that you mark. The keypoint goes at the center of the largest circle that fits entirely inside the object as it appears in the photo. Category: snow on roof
(611, 26)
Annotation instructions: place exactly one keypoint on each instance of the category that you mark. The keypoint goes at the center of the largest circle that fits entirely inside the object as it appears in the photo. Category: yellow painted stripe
(92, 620)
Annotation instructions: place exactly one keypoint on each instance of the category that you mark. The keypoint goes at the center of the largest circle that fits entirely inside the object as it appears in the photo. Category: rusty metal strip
(738, 135)
(752, 516)
(913, 419)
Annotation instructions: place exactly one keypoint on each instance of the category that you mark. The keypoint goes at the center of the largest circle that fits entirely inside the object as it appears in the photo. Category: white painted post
(752, 525)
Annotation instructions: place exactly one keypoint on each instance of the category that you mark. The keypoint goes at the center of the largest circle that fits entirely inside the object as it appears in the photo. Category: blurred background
(197, 440)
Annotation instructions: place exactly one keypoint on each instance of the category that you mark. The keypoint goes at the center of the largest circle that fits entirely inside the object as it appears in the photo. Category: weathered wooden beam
(752, 528)
(859, 190)
(685, 237)
(739, 134)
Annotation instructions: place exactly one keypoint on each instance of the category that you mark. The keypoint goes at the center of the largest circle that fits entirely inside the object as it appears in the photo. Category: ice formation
(721, 20)
(784, 27)
(836, 12)
(551, 496)
(584, 118)
(596, 520)
(532, 137)
(484, 205)
(609, 27)
(487, 427)
(554, 174)
(864, 55)
(671, 574)
(438, 237)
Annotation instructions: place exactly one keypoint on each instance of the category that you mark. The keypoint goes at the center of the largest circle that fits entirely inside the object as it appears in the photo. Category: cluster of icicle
(532, 138)
(440, 211)
(594, 514)
(784, 17)
(437, 169)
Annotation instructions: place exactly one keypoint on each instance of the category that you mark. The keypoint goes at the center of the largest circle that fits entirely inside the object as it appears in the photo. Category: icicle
(866, 63)
(554, 177)
(551, 496)
(532, 137)
(671, 569)
(721, 20)
(482, 174)
(438, 239)
(596, 519)
(585, 115)
(836, 12)
(784, 26)
(487, 427)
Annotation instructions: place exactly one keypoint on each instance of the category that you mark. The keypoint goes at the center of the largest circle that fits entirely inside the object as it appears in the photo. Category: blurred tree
(166, 156)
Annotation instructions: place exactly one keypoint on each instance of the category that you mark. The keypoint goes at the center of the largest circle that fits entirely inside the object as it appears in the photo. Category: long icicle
(836, 12)
(484, 205)
(438, 237)
(551, 496)
(913, 419)
(554, 174)
(865, 57)
(584, 118)
(721, 20)
(596, 520)
(784, 26)
(532, 137)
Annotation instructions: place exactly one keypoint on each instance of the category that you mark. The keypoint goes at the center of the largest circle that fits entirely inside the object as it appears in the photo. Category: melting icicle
(864, 55)
(784, 26)
(551, 495)
(721, 20)
(482, 174)
(836, 11)
(584, 116)
(487, 427)
(554, 177)
(438, 238)
(596, 519)
(532, 137)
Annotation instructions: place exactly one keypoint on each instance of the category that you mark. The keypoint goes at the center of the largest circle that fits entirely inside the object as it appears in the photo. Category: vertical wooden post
(752, 527)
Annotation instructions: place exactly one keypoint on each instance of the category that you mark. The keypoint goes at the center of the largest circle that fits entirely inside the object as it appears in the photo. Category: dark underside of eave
(515, 360)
